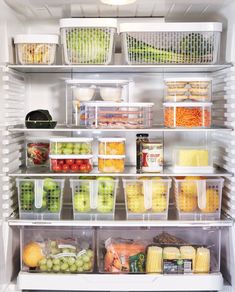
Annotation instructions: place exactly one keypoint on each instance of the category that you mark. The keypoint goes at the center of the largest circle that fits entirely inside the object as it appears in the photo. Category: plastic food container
(88, 41)
(36, 49)
(147, 199)
(171, 43)
(188, 89)
(71, 163)
(111, 163)
(117, 115)
(112, 146)
(37, 153)
(187, 115)
(113, 94)
(192, 160)
(94, 199)
(84, 93)
(71, 146)
(198, 198)
(57, 250)
(40, 198)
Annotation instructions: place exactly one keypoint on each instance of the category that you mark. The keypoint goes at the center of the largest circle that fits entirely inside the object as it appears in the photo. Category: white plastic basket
(88, 41)
(171, 43)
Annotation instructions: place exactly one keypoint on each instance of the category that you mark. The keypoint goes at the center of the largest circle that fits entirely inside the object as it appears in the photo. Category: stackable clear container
(115, 115)
(187, 115)
(111, 163)
(40, 198)
(57, 250)
(71, 163)
(112, 146)
(36, 49)
(71, 146)
(188, 89)
(37, 152)
(171, 43)
(192, 160)
(88, 41)
(147, 198)
(198, 198)
(94, 199)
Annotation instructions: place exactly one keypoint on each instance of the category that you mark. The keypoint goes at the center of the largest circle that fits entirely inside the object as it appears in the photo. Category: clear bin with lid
(192, 160)
(187, 115)
(188, 89)
(112, 146)
(147, 199)
(94, 199)
(40, 198)
(88, 41)
(36, 49)
(111, 163)
(71, 163)
(198, 198)
(71, 146)
(171, 43)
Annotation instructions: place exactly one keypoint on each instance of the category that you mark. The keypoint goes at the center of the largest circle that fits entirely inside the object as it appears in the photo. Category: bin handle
(93, 186)
(38, 191)
(201, 194)
(148, 193)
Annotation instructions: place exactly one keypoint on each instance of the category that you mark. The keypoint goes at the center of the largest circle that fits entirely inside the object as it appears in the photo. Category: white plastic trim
(88, 22)
(36, 38)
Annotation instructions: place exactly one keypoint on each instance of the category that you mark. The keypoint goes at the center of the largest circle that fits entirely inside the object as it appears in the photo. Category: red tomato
(74, 168)
(79, 161)
(89, 167)
(69, 161)
(65, 167)
(83, 167)
(57, 168)
(85, 161)
(53, 161)
(60, 161)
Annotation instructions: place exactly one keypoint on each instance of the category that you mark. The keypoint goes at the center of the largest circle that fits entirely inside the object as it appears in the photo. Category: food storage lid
(36, 39)
(88, 22)
(111, 156)
(187, 104)
(118, 104)
(112, 139)
(74, 156)
(171, 27)
(188, 79)
(64, 139)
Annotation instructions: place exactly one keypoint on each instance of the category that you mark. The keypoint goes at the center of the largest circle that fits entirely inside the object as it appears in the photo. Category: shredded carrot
(187, 117)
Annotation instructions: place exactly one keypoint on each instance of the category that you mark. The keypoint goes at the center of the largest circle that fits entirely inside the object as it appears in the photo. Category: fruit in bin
(49, 184)
(136, 204)
(67, 151)
(73, 268)
(82, 202)
(212, 201)
(32, 254)
(43, 268)
(27, 196)
(27, 185)
(133, 190)
(105, 203)
(54, 206)
(65, 168)
(189, 186)
(187, 203)
(159, 203)
(56, 268)
(44, 203)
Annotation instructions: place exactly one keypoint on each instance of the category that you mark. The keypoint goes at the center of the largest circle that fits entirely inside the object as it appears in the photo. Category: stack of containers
(111, 158)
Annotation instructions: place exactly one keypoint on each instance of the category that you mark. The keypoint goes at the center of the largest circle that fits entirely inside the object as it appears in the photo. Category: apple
(105, 203)
(54, 206)
(49, 184)
(82, 202)
(69, 145)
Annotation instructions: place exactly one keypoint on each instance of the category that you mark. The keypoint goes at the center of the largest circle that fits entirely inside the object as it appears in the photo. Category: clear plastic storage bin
(112, 146)
(94, 199)
(192, 160)
(57, 250)
(71, 163)
(171, 43)
(111, 163)
(36, 49)
(147, 198)
(188, 89)
(71, 146)
(187, 115)
(88, 41)
(40, 198)
(115, 115)
(198, 198)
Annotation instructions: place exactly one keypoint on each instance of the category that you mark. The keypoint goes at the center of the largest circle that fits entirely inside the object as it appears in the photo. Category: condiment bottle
(140, 139)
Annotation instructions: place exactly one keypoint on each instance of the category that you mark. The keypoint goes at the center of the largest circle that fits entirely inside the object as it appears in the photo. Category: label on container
(152, 160)
(137, 263)
(177, 266)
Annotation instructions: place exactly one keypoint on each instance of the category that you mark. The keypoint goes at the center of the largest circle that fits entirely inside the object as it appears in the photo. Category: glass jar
(140, 139)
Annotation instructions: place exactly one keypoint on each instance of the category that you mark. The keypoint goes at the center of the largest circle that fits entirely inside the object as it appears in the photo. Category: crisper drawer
(159, 250)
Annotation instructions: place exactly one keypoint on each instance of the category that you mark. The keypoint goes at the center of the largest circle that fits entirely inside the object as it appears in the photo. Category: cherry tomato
(89, 167)
(79, 161)
(83, 167)
(65, 167)
(57, 168)
(60, 161)
(53, 161)
(74, 168)
(69, 161)
(85, 161)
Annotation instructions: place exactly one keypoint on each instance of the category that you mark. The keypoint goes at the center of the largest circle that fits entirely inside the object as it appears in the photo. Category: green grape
(79, 263)
(71, 261)
(73, 268)
(87, 267)
(69, 145)
(42, 262)
(79, 269)
(56, 262)
(64, 259)
(90, 253)
(43, 268)
(56, 268)
(85, 258)
(49, 264)
(64, 267)
(55, 250)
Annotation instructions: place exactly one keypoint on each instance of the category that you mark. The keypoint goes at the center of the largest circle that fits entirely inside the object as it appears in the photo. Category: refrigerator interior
(47, 90)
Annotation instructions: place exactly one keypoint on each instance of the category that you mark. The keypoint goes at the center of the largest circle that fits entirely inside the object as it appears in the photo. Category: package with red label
(152, 157)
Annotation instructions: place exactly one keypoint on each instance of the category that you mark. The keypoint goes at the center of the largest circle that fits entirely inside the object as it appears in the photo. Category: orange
(32, 254)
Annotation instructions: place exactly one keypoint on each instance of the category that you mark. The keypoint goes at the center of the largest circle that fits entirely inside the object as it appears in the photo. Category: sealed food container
(71, 163)
(37, 153)
(57, 250)
(111, 163)
(112, 146)
(152, 157)
(192, 159)
(198, 198)
(117, 115)
(71, 146)
(171, 43)
(147, 198)
(40, 198)
(94, 199)
(187, 115)
(36, 49)
(188, 89)
(88, 41)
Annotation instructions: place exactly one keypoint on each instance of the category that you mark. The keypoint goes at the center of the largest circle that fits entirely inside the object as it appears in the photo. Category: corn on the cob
(188, 253)
(202, 260)
(154, 260)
